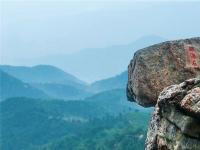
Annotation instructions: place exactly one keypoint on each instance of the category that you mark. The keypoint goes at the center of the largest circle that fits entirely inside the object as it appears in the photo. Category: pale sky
(37, 28)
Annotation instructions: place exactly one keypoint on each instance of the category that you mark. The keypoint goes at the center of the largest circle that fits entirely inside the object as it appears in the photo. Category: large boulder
(158, 66)
(175, 124)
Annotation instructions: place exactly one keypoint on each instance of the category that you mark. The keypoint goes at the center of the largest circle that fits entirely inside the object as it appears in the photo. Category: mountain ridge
(115, 82)
(13, 87)
(92, 64)
(41, 74)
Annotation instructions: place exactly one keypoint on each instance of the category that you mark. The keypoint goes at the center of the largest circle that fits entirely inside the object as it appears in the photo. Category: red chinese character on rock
(191, 49)
(193, 55)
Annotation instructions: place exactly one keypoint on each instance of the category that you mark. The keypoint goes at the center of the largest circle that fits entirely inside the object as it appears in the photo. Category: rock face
(154, 75)
(175, 124)
(158, 66)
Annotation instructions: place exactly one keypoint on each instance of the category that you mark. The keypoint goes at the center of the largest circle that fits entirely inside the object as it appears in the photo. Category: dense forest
(35, 124)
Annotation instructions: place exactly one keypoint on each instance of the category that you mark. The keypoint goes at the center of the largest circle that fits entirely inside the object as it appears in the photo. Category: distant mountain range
(41, 105)
(42, 74)
(46, 79)
(50, 81)
(94, 64)
(115, 82)
(105, 93)
(114, 101)
(63, 91)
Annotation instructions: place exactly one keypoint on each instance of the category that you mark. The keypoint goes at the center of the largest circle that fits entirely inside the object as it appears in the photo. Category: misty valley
(45, 108)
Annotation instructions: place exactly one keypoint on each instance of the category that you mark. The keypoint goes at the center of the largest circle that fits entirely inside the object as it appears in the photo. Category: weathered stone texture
(175, 124)
(158, 66)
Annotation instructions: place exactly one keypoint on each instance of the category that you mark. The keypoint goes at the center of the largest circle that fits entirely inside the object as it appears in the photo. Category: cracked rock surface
(175, 124)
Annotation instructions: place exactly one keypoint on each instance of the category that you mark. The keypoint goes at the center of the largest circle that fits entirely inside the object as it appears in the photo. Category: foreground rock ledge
(175, 124)
(161, 65)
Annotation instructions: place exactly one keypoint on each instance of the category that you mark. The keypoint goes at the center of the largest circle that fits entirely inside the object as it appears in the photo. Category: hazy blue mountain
(42, 74)
(114, 101)
(62, 91)
(94, 64)
(116, 82)
(13, 87)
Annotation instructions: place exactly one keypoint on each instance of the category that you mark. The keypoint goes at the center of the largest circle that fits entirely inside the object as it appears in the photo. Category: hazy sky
(32, 29)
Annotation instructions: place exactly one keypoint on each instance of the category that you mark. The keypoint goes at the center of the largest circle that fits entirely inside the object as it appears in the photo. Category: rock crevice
(175, 124)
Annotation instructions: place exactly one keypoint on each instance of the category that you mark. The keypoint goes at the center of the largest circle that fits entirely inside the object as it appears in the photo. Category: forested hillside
(34, 124)
(39, 113)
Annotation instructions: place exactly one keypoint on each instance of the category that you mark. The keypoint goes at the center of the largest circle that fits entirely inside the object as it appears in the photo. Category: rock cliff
(166, 76)
(175, 124)
(161, 65)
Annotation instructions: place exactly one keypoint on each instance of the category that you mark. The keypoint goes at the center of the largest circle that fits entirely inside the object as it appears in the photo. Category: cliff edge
(166, 76)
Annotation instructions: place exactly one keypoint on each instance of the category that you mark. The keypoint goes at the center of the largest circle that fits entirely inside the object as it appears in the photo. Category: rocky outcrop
(158, 66)
(154, 77)
(175, 124)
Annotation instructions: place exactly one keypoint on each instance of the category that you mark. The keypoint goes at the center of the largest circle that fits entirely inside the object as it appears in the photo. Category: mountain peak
(41, 74)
